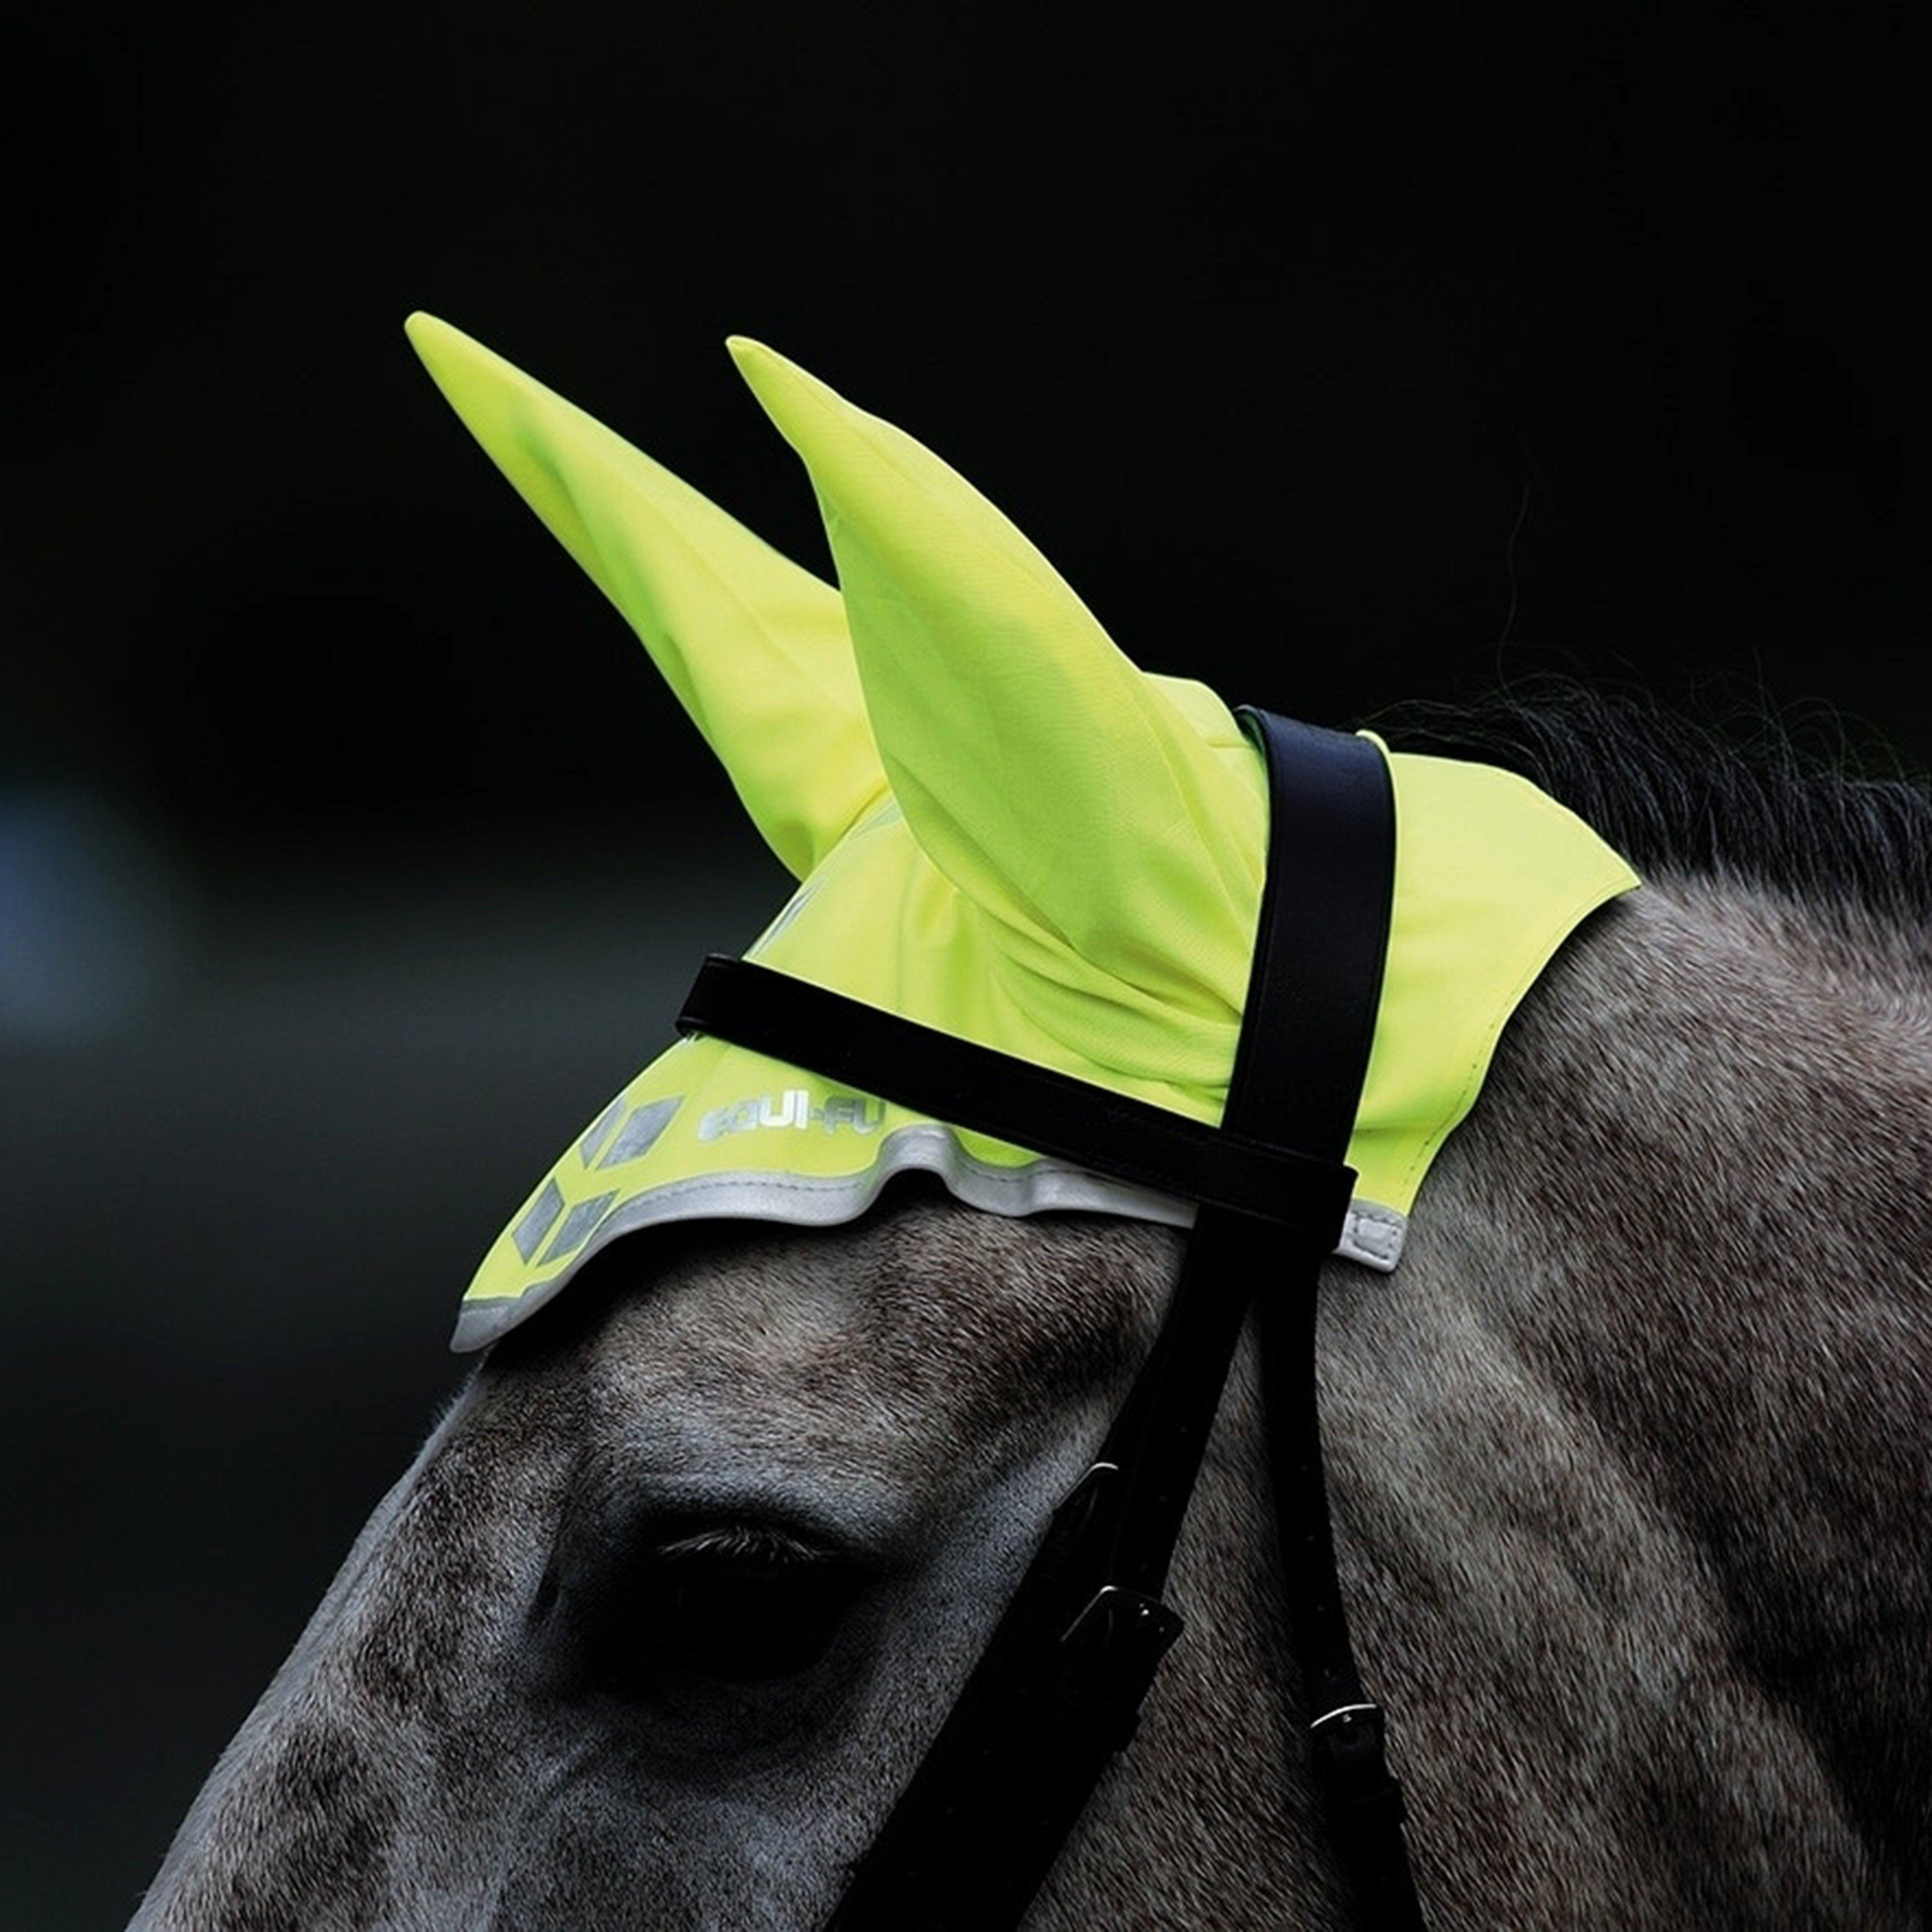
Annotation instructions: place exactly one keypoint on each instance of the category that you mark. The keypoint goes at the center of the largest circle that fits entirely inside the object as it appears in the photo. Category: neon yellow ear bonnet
(1001, 829)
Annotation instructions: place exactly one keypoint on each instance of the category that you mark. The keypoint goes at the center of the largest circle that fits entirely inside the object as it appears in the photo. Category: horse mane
(1674, 793)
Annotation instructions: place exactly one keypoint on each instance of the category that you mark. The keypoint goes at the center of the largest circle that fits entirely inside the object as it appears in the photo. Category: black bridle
(1058, 1689)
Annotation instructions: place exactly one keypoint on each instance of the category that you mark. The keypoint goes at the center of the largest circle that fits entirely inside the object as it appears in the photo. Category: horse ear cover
(754, 647)
(1002, 828)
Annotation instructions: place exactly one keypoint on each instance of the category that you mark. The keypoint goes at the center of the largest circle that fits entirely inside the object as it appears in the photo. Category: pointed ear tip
(434, 340)
(779, 384)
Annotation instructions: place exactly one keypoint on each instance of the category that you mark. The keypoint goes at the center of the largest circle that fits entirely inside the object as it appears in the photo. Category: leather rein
(1058, 1689)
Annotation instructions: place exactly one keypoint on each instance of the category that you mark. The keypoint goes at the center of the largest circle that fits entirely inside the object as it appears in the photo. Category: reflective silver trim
(577, 1224)
(640, 1132)
(1372, 1235)
(537, 1220)
(594, 1137)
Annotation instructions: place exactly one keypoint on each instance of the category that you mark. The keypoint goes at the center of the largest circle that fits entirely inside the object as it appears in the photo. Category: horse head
(785, 1381)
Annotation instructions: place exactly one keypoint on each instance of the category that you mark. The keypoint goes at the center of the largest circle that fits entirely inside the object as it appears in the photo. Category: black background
(350, 855)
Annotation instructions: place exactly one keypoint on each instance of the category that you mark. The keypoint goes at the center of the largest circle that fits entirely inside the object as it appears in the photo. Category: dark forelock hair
(1676, 795)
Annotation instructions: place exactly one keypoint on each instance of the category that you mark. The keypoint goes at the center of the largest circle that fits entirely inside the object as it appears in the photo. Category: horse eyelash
(744, 1542)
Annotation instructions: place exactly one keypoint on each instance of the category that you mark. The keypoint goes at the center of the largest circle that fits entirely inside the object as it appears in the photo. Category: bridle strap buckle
(1348, 1747)
(1109, 1654)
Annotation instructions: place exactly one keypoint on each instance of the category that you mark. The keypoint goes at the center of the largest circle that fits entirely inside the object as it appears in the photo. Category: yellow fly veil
(1002, 828)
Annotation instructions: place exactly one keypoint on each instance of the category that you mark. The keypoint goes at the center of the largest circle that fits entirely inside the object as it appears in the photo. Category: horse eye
(739, 1604)
(749, 1606)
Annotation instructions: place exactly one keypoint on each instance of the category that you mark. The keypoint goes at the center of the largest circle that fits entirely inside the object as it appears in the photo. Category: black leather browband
(967, 1085)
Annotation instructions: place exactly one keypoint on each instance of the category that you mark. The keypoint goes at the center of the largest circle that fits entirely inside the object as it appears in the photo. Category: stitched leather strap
(1058, 1689)
(1302, 1072)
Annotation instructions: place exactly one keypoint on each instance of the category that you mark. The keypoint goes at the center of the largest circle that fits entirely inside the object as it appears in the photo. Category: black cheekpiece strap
(1058, 1691)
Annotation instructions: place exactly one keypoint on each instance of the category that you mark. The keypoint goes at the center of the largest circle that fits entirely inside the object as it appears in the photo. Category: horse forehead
(932, 1311)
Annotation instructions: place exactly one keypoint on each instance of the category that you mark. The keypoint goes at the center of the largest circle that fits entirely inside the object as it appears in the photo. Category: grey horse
(1629, 1460)
(1629, 1465)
